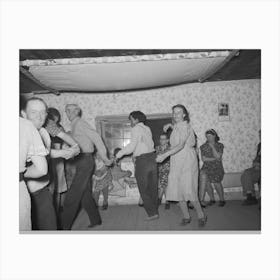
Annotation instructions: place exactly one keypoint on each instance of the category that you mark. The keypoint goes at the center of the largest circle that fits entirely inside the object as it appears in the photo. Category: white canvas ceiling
(124, 73)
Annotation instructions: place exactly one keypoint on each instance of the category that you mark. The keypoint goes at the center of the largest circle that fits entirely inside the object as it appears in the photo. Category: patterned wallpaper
(239, 135)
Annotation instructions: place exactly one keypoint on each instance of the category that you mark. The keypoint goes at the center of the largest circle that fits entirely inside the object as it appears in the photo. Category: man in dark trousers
(80, 189)
(142, 147)
(251, 176)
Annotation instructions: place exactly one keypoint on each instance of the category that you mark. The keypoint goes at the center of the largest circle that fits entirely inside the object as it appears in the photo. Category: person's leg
(202, 186)
(44, 209)
(160, 194)
(220, 191)
(210, 192)
(153, 185)
(105, 193)
(24, 208)
(142, 174)
(89, 204)
(96, 195)
(84, 167)
(184, 209)
(248, 179)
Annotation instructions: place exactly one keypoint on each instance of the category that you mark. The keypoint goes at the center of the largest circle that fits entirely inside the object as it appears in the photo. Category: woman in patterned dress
(183, 175)
(163, 168)
(212, 171)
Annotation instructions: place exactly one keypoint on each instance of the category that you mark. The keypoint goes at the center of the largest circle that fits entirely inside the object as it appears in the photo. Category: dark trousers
(42, 209)
(248, 178)
(80, 193)
(146, 175)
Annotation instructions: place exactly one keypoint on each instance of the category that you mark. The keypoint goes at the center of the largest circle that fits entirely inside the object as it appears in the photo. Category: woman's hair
(213, 132)
(185, 111)
(52, 113)
(138, 115)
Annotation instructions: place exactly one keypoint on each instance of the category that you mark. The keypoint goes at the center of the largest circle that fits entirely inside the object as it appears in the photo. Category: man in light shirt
(80, 192)
(142, 147)
(43, 212)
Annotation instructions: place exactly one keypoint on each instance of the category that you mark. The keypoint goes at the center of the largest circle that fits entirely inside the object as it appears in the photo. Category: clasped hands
(71, 152)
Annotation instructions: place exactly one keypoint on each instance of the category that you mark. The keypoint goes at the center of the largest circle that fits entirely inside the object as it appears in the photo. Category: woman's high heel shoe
(185, 221)
(202, 221)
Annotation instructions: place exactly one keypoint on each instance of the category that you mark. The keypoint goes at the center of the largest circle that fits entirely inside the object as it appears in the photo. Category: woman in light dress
(183, 175)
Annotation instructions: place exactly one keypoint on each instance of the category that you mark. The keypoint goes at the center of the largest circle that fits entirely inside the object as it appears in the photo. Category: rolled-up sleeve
(36, 147)
(130, 148)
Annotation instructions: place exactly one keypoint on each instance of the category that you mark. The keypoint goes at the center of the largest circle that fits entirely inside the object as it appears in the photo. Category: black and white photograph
(139, 140)
(130, 142)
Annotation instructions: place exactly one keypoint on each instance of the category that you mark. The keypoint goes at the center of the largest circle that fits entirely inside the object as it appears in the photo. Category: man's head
(35, 110)
(136, 117)
(73, 111)
(163, 139)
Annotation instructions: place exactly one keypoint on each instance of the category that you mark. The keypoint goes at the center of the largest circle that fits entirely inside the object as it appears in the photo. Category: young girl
(163, 168)
(101, 181)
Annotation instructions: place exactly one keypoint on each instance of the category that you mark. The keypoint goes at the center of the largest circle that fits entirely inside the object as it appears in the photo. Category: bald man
(80, 189)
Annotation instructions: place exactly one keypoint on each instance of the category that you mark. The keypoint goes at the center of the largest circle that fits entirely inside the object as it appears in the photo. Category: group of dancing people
(170, 169)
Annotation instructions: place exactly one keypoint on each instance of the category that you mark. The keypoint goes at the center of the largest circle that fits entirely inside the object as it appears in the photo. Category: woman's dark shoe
(190, 205)
(185, 221)
(221, 203)
(151, 218)
(105, 207)
(211, 202)
(202, 221)
(140, 204)
(94, 225)
(203, 204)
(167, 206)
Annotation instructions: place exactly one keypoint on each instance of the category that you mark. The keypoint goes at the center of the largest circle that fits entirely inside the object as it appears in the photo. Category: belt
(21, 176)
(145, 155)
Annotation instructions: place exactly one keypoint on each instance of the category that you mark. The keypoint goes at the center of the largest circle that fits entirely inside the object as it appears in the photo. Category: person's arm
(98, 142)
(67, 138)
(62, 153)
(129, 149)
(38, 169)
(204, 159)
(174, 150)
(217, 154)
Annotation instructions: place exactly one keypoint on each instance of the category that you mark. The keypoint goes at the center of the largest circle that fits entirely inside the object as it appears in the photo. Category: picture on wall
(223, 112)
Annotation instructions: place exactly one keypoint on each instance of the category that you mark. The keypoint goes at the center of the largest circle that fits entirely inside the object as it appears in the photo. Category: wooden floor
(232, 217)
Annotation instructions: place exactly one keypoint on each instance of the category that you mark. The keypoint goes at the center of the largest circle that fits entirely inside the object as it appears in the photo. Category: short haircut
(138, 115)
(76, 107)
(213, 132)
(25, 103)
(185, 111)
(52, 113)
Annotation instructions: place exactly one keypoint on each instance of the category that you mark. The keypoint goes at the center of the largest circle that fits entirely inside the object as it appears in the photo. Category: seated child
(119, 176)
(101, 181)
